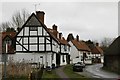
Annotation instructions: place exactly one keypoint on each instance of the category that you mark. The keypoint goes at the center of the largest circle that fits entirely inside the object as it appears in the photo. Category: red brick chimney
(40, 15)
(77, 38)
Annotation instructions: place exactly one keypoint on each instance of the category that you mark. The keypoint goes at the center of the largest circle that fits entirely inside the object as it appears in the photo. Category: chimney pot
(54, 27)
(77, 38)
(60, 35)
(97, 44)
(70, 37)
(40, 15)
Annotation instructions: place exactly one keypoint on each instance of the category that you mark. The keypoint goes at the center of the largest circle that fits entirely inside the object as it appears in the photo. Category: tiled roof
(99, 49)
(62, 41)
(95, 49)
(80, 45)
(10, 34)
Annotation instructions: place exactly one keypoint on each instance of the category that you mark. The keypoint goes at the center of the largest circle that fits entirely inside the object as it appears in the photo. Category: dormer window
(8, 42)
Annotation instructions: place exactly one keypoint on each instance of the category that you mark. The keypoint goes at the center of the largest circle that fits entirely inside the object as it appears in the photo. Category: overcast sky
(90, 20)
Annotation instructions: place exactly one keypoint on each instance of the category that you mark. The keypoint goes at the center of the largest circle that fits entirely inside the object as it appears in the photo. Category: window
(33, 28)
(65, 48)
(8, 42)
(33, 47)
(33, 40)
(77, 56)
(41, 47)
(63, 58)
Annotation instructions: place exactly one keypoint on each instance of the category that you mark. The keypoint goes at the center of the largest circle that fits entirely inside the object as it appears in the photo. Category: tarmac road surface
(97, 72)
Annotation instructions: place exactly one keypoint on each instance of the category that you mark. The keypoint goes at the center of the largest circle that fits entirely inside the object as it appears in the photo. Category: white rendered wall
(61, 60)
(73, 52)
(32, 57)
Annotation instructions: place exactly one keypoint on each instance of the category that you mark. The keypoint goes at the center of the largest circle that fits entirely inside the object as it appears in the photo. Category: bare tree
(106, 41)
(18, 19)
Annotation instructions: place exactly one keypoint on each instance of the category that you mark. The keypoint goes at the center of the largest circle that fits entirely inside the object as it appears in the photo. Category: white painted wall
(33, 57)
(61, 60)
(73, 52)
(89, 59)
(102, 59)
(55, 46)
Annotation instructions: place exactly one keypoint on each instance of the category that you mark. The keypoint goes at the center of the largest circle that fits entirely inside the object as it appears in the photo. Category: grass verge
(72, 75)
(49, 75)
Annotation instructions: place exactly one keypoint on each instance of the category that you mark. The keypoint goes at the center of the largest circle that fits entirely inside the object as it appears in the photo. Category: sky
(93, 19)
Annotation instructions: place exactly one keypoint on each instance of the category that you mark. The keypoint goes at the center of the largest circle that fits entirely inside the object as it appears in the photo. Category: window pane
(33, 47)
(33, 40)
(41, 47)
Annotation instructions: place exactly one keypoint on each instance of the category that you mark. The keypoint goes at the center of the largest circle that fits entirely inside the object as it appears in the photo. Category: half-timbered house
(64, 50)
(97, 52)
(34, 42)
(64, 47)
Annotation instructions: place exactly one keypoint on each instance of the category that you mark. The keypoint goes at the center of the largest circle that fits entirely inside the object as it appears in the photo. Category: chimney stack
(40, 15)
(70, 37)
(60, 35)
(97, 44)
(54, 27)
(55, 32)
(77, 38)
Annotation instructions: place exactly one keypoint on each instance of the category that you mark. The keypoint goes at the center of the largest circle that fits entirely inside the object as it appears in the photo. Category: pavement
(95, 71)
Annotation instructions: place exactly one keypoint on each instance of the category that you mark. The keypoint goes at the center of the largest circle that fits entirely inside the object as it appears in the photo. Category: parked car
(77, 67)
(48, 68)
(82, 64)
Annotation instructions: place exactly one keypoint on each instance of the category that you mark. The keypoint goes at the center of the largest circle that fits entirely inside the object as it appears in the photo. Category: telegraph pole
(5, 60)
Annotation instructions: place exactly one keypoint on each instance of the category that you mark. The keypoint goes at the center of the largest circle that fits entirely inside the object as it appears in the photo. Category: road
(95, 71)
(99, 73)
